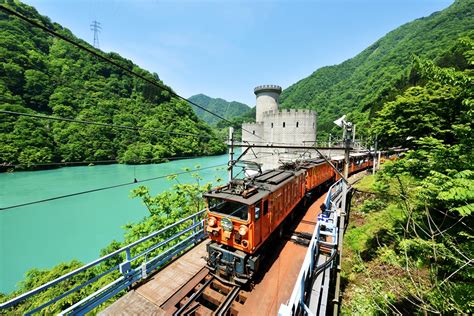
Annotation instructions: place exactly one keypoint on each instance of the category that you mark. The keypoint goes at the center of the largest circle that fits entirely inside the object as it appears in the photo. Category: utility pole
(96, 28)
(354, 134)
(378, 160)
(231, 152)
(347, 144)
(374, 158)
(329, 145)
(347, 126)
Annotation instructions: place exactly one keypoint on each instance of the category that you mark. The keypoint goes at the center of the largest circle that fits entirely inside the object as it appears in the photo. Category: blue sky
(226, 48)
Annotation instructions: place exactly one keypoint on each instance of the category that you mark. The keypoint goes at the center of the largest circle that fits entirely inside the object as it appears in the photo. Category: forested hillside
(40, 74)
(359, 86)
(409, 245)
(226, 109)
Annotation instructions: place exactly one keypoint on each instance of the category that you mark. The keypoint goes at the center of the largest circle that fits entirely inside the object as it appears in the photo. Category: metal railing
(185, 233)
(326, 226)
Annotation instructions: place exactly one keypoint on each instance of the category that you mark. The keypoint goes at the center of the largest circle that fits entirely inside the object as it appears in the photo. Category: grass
(369, 264)
(360, 238)
(366, 184)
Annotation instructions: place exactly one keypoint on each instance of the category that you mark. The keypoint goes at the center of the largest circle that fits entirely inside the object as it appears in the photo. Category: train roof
(309, 163)
(341, 157)
(359, 154)
(250, 191)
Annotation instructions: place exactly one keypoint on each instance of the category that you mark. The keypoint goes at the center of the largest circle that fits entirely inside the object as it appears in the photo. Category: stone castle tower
(277, 127)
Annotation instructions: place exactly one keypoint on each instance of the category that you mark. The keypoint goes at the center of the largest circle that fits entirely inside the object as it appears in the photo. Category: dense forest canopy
(410, 250)
(235, 114)
(226, 109)
(45, 75)
(361, 85)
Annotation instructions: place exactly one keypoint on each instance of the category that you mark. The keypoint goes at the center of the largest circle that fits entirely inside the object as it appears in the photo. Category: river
(45, 234)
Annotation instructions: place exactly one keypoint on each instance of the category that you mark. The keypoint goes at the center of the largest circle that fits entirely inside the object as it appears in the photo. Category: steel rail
(224, 307)
(194, 297)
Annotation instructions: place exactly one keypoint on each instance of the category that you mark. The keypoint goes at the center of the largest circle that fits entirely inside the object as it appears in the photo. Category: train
(244, 215)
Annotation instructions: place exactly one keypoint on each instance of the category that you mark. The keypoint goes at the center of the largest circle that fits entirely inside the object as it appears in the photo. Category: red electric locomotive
(244, 214)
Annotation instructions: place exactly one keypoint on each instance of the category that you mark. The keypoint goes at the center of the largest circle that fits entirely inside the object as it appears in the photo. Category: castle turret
(267, 99)
(277, 127)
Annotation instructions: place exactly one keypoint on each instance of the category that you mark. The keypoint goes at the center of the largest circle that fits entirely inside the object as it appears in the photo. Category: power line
(66, 163)
(107, 188)
(134, 128)
(103, 58)
(116, 186)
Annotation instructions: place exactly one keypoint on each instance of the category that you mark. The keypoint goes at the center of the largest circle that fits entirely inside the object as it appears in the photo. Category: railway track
(206, 295)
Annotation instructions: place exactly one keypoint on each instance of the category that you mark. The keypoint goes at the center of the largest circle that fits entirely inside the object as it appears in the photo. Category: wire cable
(107, 188)
(86, 122)
(111, 161)
(108, 60)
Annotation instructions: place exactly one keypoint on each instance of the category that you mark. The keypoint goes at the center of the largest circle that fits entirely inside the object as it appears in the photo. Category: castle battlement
(289, 113)
(253, 124)
(267, 88)
(277, 126)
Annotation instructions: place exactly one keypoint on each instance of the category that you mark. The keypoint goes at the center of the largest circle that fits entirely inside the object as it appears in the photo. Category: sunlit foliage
(40, 74)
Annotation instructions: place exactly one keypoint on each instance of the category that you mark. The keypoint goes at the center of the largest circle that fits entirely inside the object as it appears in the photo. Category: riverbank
(55, 165)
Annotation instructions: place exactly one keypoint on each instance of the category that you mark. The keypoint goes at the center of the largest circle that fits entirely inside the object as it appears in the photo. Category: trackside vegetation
(182, 200)
(409, 248)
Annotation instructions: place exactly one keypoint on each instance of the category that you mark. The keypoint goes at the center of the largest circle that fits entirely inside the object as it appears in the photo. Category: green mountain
(360, 85)
(40, 74)
(228, 110)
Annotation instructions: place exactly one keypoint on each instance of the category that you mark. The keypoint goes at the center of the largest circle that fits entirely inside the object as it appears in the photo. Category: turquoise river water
(43, 235)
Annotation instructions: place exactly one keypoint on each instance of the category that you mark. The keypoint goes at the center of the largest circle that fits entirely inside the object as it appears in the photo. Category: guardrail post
(302, 287)
(143, 266)
(195, 229)
(126, 266)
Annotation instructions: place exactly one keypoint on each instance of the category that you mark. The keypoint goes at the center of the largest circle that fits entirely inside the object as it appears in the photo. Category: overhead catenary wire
(86, 162)
(100, 56)
(87, 122)
(135, 181)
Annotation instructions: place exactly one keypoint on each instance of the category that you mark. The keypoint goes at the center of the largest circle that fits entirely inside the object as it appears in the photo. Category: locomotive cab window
(265, 207)
(230, 208)
(257, 211)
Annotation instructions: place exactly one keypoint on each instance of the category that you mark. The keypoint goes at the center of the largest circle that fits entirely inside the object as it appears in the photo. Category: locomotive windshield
(231, 208)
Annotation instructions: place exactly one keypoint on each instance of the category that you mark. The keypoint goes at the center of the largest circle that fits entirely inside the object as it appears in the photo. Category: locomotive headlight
(243, 230)
(227, 224)
(212, 221)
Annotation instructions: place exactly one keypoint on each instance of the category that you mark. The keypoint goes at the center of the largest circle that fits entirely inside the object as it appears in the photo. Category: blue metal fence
(185, 233)
(326, 226)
